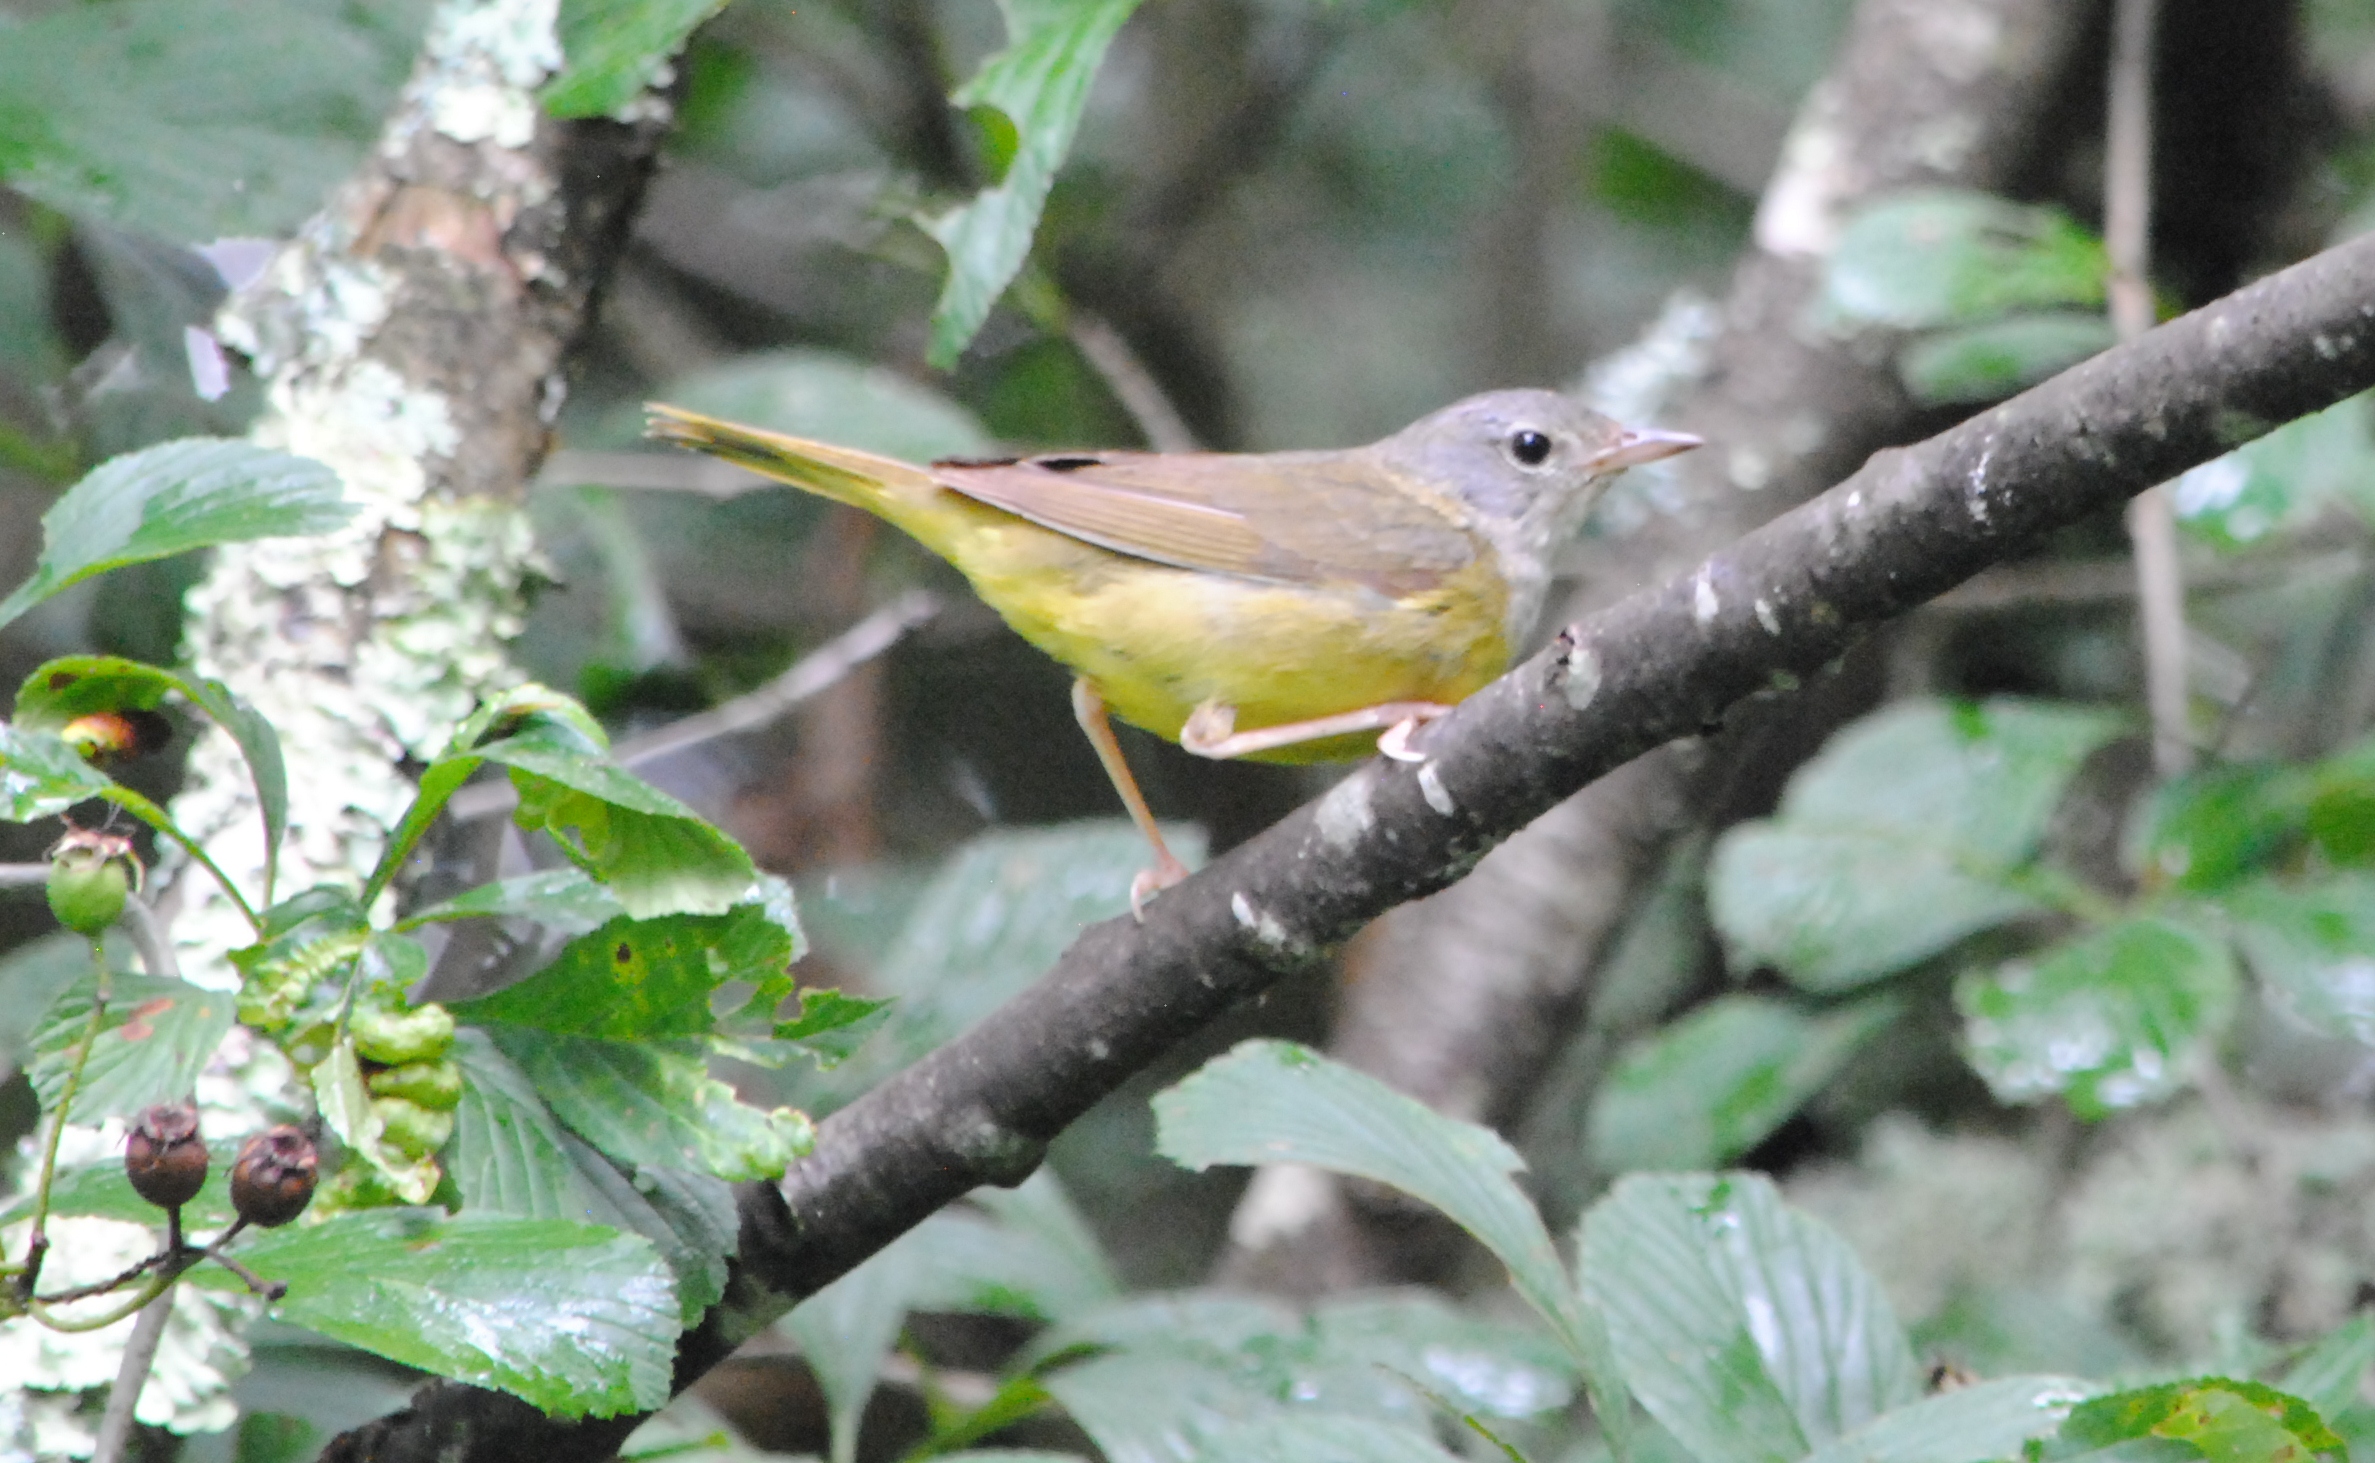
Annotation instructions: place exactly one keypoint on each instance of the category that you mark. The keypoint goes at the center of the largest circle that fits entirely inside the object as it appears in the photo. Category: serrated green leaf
(172, 498)
(1155, 1407)
(2226, 1419)
(1982, 363)
(615, 49)
(1711, 1086)
(40, 775)
(1919, 260)
(645, 1104)
(576, 1319)
(648, 977)
(1038, 85)
(567, 899)
(154, 1039)
(1277, 1102)
(121, 112)
(831, 1026)
(2109, 1020)
(511, 1156)
(1748, 1329)
(1902, 836)
(1971, 1424)
(78, 685)
(654, 854)
(2312, 945)
(1300, 1436)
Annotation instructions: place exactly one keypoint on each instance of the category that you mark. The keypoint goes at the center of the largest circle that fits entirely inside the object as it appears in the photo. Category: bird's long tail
(881, 485)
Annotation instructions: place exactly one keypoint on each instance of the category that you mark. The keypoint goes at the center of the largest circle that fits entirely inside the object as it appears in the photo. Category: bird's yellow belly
(1158, 642)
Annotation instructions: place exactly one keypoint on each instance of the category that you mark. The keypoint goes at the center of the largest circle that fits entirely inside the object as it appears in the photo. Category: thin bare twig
(2127, 234)
(1131, 383)
(140, 1351)
(807, 677)
(23, 876)
(150, 938)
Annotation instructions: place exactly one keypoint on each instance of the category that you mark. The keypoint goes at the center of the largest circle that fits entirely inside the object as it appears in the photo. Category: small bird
(1281, 606)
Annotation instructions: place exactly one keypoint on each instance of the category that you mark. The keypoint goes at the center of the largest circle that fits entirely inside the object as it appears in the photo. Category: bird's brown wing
(1313, 517)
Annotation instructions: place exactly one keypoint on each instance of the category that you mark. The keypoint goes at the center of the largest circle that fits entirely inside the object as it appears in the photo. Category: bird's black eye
(1530, 447)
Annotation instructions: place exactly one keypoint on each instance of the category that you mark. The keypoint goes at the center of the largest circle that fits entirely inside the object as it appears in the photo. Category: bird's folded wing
(1288, 518)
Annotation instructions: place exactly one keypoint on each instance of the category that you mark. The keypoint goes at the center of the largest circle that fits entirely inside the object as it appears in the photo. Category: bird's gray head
(1529, 465)
(1511, 455)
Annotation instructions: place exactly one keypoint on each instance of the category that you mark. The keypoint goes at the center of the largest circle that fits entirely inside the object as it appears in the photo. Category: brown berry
(163, 1155)
(272, 1179)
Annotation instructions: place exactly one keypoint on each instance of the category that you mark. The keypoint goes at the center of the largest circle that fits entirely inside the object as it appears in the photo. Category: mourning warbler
(1283, 606)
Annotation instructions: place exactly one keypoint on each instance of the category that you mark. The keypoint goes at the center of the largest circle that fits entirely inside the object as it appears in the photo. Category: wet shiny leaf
(645, 1103)
(576, 1319)
(1748, 1329)
(154, 1038)
(1707, 1088)
(2109, 1020)
(2312, 945)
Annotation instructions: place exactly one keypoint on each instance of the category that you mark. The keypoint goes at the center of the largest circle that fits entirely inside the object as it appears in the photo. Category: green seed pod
(393, 1038)
(87, 890)
(436, 1086)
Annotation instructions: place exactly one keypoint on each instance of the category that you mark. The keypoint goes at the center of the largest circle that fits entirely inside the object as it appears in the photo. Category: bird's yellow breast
(1157, 642)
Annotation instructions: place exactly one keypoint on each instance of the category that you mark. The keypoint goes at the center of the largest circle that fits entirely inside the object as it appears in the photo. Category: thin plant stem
(39, 1243)
(140, 1352)
(2127, 230)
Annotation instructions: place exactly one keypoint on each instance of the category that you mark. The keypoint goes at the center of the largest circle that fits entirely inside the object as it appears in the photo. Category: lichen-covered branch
(411, 337)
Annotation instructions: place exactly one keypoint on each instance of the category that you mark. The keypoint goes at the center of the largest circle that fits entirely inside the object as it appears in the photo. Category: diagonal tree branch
(1664, 663)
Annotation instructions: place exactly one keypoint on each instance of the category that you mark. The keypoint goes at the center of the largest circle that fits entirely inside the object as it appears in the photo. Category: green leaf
(1147, 1407)
(79, 685)
(172, 498)
(617, 49)
(1923, 259)
(2225, 1419)
(575, 1319)
(1037, 86)
(832, 1026)
(41, 775)
(637, 978)
(154, 1039)
(1299, 1436)
(654, 854)
(2110, 1020)
(1982, 363)
(1277, 1102)
(121, 111)
(32, 977)
(1972, 1424)
(1709, 1087)
(1748, 1329)
(2313, 948)
(2204, 832)
(2327, 1375)
(510, 1156)
(1905, 834)
(2284, 480)
(2341, 814)
(644, 1104)
(815, 393)
(568, 900)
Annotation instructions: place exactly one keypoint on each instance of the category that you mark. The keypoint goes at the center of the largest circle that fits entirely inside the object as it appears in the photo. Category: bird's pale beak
(1637, 445)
